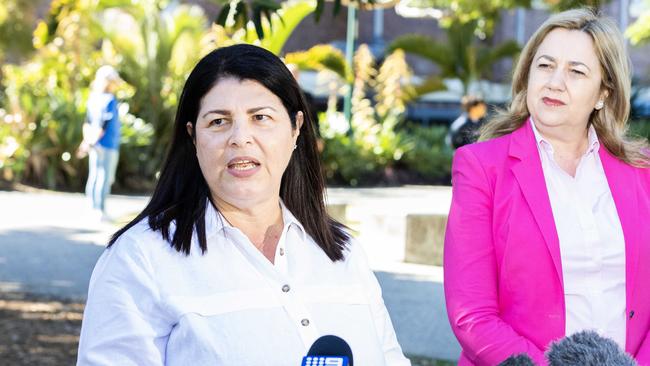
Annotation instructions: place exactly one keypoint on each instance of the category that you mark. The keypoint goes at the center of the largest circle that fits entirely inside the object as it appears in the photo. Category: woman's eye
(260, 117)
(543, 66)
(217, 122)
(577, 72)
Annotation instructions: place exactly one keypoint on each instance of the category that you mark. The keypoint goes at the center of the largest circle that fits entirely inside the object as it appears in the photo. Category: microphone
(328, 350)
(587, 348)
(521, 359)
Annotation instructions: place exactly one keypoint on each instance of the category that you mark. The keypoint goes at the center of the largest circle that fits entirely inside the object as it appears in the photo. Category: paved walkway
(49, 245)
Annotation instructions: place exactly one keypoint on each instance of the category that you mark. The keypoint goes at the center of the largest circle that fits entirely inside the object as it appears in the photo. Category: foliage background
(48, 64)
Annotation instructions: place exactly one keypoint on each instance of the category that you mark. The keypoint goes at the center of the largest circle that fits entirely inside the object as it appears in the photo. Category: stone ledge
(425, 237)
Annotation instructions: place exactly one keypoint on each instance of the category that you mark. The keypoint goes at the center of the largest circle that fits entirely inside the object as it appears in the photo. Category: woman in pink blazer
(549, 227)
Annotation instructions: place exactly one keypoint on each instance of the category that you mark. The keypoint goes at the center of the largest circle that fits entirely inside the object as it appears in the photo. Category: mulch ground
(38, 331)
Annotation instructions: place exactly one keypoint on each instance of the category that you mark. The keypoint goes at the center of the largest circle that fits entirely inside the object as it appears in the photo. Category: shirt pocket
(222, 302)
(347, 295)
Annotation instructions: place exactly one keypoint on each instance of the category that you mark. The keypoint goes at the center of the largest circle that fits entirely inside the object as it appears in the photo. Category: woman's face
(244, 141)
(564, 83)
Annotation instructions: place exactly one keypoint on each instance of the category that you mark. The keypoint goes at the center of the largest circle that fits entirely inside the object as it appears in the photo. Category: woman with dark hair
(235, 261)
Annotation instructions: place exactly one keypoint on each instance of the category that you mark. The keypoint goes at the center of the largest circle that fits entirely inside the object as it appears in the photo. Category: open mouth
(243, 164)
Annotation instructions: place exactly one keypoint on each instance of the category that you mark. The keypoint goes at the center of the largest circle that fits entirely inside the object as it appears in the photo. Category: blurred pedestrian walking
(101, 138)
(465, 129)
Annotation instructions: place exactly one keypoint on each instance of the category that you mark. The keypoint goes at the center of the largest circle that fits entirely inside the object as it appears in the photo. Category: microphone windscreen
(331, 345)
(587, 348)
(518, 360)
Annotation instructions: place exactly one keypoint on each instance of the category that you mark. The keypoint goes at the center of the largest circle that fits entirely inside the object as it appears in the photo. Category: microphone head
(331, 345)
(518, 360)
(587, 348)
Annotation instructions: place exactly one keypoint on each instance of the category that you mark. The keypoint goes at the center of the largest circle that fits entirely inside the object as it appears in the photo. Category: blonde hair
(103, 77)
(610, 122)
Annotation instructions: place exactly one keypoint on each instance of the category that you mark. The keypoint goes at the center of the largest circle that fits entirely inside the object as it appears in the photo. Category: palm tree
(155, 47)
(280, 25)
(461, 56)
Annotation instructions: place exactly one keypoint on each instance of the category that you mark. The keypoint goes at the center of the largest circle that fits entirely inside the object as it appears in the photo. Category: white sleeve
(385, 331)
(123, 322)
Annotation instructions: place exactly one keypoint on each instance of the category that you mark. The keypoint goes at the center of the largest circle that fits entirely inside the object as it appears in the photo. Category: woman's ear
(300, 119)
(190, 131)
(603, 95)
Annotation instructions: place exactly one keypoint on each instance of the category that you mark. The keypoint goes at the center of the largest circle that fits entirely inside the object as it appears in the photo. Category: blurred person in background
(465, 129)
(101, 138)
(235, 261)
(547, 233)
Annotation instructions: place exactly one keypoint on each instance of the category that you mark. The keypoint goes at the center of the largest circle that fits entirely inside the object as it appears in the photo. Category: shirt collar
(542, 143)
(289, 220)
(216, 223)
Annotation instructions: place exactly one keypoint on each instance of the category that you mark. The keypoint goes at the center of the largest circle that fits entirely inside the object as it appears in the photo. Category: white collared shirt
(592, 246)
(151, 305)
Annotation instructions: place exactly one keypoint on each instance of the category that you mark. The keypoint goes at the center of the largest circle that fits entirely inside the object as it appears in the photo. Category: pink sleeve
(470, 270)
(643, 354)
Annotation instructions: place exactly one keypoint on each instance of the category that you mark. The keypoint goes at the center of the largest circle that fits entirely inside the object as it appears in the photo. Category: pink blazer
(502, 266)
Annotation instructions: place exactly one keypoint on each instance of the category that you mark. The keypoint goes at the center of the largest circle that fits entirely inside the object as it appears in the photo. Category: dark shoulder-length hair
(182, 194)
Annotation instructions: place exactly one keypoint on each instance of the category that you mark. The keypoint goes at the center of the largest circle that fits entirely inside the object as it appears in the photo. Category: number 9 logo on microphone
(325, 361)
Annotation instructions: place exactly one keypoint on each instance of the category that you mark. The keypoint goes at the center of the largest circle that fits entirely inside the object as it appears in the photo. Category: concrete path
(49, 245)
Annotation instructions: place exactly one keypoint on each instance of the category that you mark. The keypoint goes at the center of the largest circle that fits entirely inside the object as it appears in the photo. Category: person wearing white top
(235, 261)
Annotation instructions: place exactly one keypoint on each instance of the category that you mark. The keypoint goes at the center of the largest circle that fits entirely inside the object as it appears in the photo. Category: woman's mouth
(552, 102)
(243, 167)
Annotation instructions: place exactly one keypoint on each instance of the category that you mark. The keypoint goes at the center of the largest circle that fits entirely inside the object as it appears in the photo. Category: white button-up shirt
(592, 246)
(151, 305)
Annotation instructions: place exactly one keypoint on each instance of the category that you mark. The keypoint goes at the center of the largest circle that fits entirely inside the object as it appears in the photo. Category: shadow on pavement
(417, 308)
(48, 260)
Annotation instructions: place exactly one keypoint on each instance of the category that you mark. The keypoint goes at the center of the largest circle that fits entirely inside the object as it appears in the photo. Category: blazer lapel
(622, 181)
(527, 169)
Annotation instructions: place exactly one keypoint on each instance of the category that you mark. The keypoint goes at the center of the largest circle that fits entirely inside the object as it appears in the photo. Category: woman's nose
(241, 133)
(556, 80)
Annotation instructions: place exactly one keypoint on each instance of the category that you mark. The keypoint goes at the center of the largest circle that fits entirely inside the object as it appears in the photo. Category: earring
(295, 146)
(600, 105)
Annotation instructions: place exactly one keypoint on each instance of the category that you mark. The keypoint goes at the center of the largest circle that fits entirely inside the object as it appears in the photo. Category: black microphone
(587, 348)
(328, 350)
(521, 359)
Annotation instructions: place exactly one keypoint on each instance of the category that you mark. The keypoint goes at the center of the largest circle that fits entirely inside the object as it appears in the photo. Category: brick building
(514, 24)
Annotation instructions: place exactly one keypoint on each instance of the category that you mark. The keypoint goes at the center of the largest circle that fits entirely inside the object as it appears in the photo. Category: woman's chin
(243, 198)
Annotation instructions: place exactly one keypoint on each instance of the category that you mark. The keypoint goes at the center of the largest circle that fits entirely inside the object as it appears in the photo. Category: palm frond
(423, 46)
(431, 84)
(321, 57)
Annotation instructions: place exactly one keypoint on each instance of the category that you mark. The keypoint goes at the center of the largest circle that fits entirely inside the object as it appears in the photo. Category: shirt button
(286, 288)
(281, 251)
(304, 322)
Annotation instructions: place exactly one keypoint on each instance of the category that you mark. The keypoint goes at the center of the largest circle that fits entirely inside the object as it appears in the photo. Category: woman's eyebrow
(257, 109)
(578, 63)
(217, 111)
(572, 63)
(546, 57)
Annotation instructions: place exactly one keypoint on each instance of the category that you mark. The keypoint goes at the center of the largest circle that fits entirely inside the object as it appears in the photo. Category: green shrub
(377, 148)
(347, 163)
(640, 127)
(429, 155)
(44, 111)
